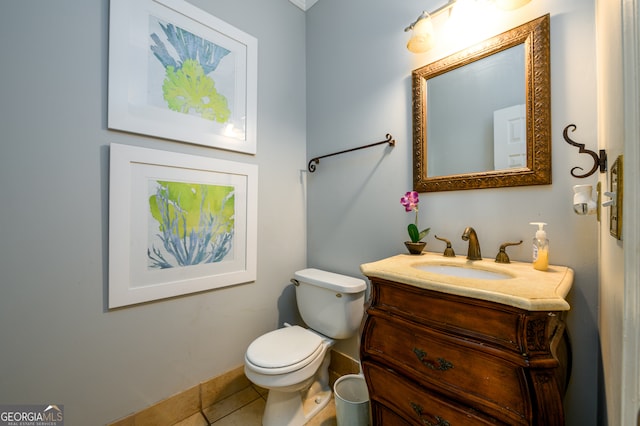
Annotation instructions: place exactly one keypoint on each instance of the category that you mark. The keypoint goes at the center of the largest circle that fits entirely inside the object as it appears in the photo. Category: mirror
(481, 117)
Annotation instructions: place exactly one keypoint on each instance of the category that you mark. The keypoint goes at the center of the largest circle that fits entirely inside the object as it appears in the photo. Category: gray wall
(59, 343)
(358, 89)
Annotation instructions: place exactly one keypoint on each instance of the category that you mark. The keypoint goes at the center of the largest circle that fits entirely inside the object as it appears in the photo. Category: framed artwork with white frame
(177, 72)
(178, 224)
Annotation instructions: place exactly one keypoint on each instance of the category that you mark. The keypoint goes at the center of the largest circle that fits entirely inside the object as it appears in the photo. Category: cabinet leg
(548, 410)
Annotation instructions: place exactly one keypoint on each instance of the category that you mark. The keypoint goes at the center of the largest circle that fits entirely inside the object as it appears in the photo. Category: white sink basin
(464, 272)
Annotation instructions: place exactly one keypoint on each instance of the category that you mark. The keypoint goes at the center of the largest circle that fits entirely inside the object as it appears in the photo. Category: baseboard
(341, 365)
(192, 401)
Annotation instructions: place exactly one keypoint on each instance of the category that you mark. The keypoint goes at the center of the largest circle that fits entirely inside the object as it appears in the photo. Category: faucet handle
(502, 256)
(448, 252)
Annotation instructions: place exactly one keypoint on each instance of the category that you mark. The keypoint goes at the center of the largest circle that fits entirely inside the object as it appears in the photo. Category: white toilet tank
(330, 303)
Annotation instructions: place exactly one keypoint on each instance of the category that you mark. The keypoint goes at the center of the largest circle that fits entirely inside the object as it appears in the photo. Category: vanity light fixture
(423, 36)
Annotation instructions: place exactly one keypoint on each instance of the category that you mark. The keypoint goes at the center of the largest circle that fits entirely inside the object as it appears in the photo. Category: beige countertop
(526, 287)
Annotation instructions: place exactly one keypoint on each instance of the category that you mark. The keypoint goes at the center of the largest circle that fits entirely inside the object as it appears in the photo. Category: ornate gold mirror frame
(534, 36)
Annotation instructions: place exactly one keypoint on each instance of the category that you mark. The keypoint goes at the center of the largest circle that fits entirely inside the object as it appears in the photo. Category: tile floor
(245, 408)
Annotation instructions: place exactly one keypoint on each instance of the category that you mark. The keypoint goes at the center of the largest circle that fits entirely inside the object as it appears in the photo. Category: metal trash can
(352, 400)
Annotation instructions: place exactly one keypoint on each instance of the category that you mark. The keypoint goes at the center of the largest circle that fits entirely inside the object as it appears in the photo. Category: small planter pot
(415, 248)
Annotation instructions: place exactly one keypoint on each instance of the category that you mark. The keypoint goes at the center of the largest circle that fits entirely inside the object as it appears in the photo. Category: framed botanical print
(177, 72)
(178, 224)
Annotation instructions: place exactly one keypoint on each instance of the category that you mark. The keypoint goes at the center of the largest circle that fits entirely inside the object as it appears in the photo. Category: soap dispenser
(540, 248)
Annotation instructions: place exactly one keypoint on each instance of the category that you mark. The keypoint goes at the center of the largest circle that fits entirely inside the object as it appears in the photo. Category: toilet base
(297, 408)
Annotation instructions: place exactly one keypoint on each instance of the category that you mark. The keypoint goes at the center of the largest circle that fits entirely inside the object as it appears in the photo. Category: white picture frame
(178, 224)
(179, 73)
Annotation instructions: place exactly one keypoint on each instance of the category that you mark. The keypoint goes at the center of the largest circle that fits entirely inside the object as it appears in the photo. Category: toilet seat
(284, 350)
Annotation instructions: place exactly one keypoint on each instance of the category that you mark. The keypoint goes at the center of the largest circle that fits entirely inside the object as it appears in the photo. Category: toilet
(293, 362)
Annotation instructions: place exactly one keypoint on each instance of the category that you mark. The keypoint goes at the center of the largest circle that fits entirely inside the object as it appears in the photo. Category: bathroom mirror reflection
(476, 115)
(481, 117)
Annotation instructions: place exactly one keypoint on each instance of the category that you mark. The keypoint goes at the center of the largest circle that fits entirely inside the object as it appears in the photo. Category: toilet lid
(283, 347)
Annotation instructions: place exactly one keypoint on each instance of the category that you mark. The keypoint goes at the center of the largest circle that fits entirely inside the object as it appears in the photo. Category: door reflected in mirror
(481, 117)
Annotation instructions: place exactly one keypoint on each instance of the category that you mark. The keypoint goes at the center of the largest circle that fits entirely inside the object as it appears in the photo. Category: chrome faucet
(473, 253)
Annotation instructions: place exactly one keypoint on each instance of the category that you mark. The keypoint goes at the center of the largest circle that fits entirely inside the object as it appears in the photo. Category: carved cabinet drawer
(499, 323)
(413, 404)
(450, 366)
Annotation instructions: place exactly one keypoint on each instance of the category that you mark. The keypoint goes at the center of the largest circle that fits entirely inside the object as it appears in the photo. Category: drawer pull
(441, 365)
(419, 411)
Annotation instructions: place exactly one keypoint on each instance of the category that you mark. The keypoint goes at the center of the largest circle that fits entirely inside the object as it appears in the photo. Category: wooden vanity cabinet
(431, 358)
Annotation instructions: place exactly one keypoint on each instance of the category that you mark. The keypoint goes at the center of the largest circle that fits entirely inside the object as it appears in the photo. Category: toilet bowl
(293, 362)
(270, 364)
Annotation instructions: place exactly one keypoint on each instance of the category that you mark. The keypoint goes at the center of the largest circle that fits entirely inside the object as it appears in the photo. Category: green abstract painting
(189, 62)
(191, 223)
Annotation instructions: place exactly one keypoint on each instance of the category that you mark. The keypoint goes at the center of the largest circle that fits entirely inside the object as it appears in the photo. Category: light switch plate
(616, 187)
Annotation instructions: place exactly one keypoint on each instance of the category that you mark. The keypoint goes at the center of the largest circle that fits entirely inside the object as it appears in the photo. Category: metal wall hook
(312, 163)
(599, 160)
